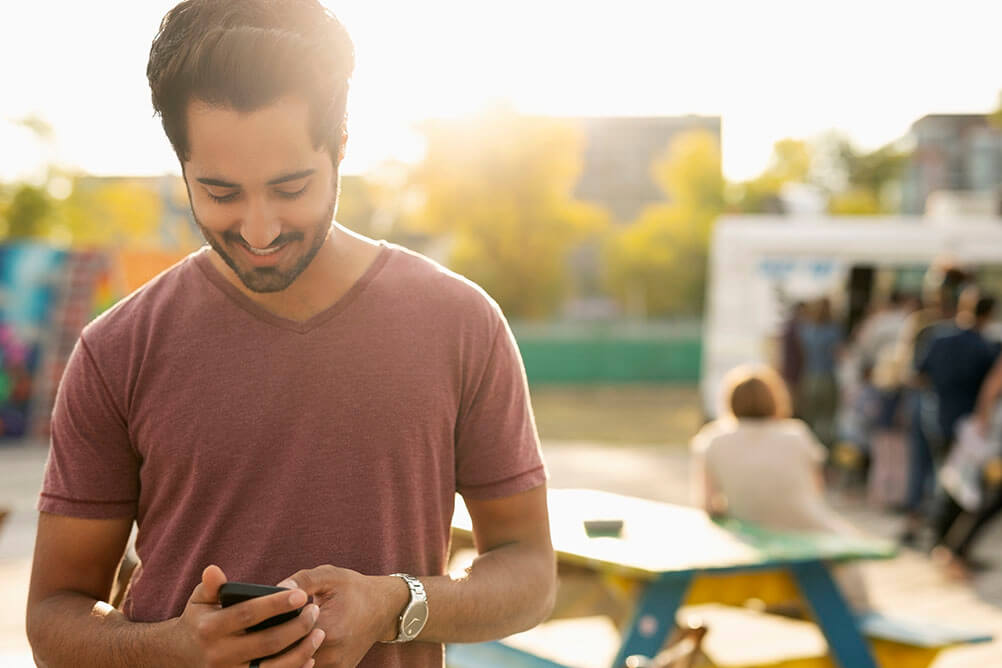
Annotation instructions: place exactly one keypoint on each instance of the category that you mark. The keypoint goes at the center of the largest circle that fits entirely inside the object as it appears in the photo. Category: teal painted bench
(896, 643)
(795, 643)
(917, 633)
(493, 655)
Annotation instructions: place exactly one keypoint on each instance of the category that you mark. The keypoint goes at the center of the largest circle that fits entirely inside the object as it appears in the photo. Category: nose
(260, 226)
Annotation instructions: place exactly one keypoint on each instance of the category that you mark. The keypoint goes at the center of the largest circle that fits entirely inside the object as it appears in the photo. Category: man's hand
(356, 611)
(216, 635)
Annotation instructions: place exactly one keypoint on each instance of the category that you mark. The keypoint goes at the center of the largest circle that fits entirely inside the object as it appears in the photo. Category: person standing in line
(957, 365)
(792, 358)
(940, 294)
(820, 340)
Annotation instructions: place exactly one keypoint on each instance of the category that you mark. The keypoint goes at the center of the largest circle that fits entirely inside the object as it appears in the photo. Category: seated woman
(758, 465)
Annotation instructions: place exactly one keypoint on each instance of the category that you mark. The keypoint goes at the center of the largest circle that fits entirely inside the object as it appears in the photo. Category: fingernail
(314, 612)
(297, 598)
(318, 638)
(288, 584)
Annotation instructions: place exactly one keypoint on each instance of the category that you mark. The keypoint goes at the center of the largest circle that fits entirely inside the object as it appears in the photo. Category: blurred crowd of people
(903, 406)
(905, 403)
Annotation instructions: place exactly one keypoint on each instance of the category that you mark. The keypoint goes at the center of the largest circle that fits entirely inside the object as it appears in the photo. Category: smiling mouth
(265, 251)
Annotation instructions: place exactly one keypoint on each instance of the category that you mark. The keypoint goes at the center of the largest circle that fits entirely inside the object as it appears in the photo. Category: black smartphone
(236, 592)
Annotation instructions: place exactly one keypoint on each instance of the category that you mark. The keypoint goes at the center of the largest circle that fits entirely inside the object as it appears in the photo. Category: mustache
(236, 238)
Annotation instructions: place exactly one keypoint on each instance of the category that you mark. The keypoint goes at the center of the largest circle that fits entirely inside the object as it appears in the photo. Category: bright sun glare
(770, 69)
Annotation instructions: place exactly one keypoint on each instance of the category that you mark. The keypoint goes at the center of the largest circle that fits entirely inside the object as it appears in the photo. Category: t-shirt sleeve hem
(91, 510)
(516, 484)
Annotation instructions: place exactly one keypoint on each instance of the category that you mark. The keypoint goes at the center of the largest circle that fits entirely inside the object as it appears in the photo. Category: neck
(338, 264)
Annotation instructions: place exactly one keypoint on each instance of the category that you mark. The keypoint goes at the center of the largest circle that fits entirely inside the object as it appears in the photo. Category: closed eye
(229, 197)
(292, 194)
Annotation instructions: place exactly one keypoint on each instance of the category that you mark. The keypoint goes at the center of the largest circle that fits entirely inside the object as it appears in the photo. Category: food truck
(760, 265)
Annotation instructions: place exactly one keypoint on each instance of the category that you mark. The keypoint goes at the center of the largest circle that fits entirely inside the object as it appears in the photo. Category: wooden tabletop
(659, 538)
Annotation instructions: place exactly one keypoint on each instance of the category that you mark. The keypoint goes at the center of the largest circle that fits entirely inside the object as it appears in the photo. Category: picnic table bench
(672, 555)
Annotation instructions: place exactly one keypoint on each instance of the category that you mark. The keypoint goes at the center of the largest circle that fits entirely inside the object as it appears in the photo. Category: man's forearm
(71, 629)
(506, 590)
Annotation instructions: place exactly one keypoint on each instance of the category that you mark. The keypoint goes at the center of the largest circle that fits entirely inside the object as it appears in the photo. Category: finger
(293, 581)
(207, 591)
(298, 656)
(240, 616)
(312, 581)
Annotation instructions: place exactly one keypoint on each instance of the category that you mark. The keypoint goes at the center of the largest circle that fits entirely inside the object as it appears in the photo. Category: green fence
(610, 353)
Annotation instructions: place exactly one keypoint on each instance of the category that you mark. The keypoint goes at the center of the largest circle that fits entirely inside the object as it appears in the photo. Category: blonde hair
(754, 391)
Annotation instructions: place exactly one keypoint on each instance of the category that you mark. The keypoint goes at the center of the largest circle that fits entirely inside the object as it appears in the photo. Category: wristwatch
(414, 616)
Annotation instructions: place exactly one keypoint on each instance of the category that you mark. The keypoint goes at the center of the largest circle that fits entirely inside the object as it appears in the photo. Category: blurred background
(646, 188)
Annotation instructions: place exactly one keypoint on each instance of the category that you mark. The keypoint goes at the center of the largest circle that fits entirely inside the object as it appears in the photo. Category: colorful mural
(47, 296)
(29, 276)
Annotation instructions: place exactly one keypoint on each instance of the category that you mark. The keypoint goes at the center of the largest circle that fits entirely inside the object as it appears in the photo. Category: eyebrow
(285, 178)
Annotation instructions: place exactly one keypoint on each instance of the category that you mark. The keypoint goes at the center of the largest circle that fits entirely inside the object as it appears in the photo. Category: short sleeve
(815, 451)
(698, 472)
(92, 471)
(497, 447)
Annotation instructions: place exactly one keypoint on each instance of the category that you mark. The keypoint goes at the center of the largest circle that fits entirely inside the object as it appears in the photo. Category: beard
(272, 279)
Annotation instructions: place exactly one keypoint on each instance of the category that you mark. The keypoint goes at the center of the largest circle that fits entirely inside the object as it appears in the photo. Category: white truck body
(758, 265)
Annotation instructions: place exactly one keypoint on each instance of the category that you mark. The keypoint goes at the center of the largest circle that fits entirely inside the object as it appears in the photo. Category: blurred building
(619, 152)
(952, 152)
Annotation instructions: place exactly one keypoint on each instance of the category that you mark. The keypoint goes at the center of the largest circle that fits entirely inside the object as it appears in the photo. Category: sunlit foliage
(657, 265)
(499, 186)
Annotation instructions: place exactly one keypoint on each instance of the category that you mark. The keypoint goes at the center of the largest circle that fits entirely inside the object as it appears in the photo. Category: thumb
(312, 581)
(207, 591)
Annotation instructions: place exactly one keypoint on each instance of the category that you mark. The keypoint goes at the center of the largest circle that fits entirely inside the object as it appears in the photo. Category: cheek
(213, 216)
(307, 210)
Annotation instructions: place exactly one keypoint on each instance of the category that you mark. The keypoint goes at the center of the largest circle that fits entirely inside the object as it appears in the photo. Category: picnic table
(676, 555)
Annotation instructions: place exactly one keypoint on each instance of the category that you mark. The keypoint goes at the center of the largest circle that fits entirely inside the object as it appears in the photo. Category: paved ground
(907, 585)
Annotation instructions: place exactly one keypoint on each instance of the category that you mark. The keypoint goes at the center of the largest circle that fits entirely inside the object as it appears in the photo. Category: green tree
(790, 162)
(499, 186)
(854, 202)
(996, 116)
(112, 212)
(27, 212)
(657, 265)
(857, 181)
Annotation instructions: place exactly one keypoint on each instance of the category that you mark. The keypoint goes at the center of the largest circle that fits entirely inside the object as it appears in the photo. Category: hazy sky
(770, 69)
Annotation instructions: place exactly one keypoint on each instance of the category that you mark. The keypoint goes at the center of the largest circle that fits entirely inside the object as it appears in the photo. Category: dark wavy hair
(245, 54)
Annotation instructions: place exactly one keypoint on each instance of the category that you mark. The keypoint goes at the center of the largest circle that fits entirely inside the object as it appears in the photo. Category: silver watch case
(415, 615)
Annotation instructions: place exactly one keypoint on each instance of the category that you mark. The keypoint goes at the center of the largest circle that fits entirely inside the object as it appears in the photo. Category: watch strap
(418, 596)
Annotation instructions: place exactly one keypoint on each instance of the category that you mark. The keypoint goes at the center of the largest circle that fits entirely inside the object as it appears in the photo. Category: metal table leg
(654, 617)
(848, 646)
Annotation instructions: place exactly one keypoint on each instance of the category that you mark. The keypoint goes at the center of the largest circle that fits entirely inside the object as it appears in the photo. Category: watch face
(414, 620)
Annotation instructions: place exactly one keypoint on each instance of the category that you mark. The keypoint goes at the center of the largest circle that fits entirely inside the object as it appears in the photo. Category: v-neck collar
(204, 263)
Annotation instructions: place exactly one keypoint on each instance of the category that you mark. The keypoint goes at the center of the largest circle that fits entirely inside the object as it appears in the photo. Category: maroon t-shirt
(266, 446)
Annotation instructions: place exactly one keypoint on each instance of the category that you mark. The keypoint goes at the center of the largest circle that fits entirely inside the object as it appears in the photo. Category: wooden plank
(663, 538)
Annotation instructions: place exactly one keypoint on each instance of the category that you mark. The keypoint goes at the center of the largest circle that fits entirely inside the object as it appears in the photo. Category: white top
(766, 472)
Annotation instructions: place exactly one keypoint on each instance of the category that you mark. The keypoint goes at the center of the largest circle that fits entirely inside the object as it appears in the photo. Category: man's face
(262, 195)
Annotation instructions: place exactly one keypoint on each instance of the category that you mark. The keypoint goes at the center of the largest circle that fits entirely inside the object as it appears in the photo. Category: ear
(341, 147)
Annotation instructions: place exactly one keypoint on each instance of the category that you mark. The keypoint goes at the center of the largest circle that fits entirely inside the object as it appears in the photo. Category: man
(956, 365)
(957, 362)
(792, 354)
(296, 404)
(942, 286)
(820, 340)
